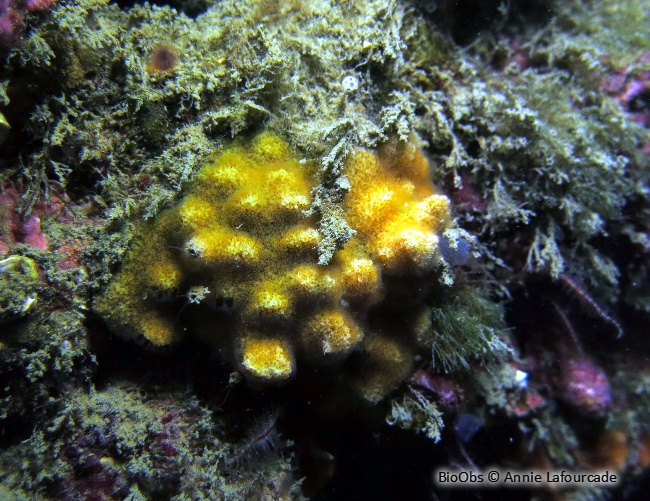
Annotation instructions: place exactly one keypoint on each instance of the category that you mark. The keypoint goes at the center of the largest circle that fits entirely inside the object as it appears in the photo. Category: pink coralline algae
(518, 54)
(632, 91)
(71, 254)
(524, 403)
(16, 229)
(12, 18)
(585, 386)
(11, 23)
(39, 5)
(447, 392)
(31, 233)
(466, 196)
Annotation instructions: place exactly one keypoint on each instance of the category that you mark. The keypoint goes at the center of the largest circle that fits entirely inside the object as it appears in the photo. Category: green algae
(18, 279)
(561, 166)
(49, 352)
(150, 438)
(415, 411)
(466, 328)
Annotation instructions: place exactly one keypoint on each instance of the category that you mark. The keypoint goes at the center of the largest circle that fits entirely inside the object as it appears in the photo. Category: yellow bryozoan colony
(241, 249)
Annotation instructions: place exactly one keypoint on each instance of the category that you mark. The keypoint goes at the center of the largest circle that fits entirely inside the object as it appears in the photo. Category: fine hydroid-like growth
(262, 441)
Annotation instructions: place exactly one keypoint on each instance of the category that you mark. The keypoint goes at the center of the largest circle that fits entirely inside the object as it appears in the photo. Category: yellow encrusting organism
(267, 358)
(243, 235)
(332, 331)
(391, 364)
(157, 329)
(394, 208)
(164, 276)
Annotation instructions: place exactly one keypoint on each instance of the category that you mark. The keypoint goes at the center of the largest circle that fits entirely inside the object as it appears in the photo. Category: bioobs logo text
(461, 478)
